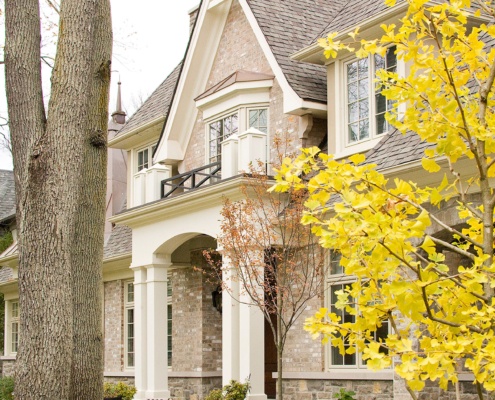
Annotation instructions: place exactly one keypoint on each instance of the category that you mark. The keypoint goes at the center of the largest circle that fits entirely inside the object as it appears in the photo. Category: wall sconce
(216, 298)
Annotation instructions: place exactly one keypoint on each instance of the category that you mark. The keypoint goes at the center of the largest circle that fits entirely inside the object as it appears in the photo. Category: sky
(150, 38)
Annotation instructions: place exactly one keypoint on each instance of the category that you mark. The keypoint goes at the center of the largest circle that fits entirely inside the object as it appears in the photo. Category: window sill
(8, 358)
(348, 374)
(118, 374)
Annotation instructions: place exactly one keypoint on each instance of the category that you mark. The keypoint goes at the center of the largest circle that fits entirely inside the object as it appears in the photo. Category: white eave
(138, 135)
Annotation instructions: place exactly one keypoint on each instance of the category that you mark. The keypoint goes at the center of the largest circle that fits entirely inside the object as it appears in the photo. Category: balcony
(191, 180)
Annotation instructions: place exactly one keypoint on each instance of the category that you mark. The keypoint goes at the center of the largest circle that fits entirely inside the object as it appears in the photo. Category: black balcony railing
(191, 180)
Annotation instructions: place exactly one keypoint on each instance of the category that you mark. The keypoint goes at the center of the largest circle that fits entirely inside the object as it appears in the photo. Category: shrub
(119, 389)
(344, 394)
(7, 388)
(233, 391)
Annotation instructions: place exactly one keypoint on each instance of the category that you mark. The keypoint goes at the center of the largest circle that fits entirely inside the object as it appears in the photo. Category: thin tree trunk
(87, 254)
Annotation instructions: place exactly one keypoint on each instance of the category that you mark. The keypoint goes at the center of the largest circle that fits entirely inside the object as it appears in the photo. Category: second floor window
(219, 131)
(366, 106)
(144, 157)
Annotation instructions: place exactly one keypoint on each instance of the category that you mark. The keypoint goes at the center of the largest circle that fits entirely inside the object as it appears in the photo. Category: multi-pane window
(129, 324)
(14, 326)
(337, 282)
(366, 106)
(259, 119)
(144, 157)
(169, 324)
(219, 131)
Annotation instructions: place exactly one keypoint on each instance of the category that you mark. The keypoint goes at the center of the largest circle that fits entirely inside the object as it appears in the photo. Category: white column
(230, 324)
(140, 346)
(252, 351)
(252, 149)
(230, 157)
(139, 189)
(154, 177)
(156, 288)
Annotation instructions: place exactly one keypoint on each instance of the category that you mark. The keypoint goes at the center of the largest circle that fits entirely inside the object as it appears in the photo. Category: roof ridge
(330, 22)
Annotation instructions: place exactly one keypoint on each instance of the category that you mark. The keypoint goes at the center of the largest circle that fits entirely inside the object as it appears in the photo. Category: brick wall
(113, 324)
(239, 49)
(196, 325)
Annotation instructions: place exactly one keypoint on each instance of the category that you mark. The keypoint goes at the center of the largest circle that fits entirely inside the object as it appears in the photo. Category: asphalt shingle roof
(289, 26)
(7, 195)
(156, 106)
(396, 149)
(119, 242)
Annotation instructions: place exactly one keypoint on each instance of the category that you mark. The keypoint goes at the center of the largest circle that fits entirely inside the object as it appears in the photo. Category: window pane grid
(218, 132)
(258, 119)
(382, 106)
(14, 327)
(337, 281)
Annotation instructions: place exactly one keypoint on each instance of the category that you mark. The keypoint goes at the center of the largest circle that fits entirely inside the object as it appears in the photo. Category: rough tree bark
(60, 172)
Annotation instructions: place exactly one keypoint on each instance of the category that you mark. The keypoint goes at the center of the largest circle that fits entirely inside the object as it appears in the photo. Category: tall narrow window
(382, 105)
(219, 131)
(169, 323)
(129, 324)
(362, 96)
(14, 326)
(338, 281)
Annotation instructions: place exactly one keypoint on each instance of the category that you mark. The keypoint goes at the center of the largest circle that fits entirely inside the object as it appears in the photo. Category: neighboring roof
(289, 26)
(119, 242)
(7, 195)
(238, 76)
(396, 149)
(156, 106)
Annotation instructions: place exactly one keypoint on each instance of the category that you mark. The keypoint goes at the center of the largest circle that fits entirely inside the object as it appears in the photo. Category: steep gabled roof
(290, 25)
(156, 106)
(7, 195)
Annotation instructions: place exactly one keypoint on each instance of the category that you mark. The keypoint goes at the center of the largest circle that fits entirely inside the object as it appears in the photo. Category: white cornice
(137, 136)
(202, 198)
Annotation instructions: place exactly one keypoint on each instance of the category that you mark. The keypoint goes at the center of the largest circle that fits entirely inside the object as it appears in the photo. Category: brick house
(252, 68)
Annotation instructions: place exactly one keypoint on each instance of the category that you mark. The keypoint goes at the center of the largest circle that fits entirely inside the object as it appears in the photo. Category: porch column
(252, 351)
(156, 287)
(140, 347)
(230, 324)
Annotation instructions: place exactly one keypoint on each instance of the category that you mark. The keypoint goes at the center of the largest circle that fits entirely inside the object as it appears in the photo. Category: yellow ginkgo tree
(440, 310)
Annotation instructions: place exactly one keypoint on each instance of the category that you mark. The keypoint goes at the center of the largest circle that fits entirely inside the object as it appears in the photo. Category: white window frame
(129, 306)
(372, 131)
(10, 320)
(170, 326)
(242, 123)
(332, 280)
(342, 147)
(150, 148)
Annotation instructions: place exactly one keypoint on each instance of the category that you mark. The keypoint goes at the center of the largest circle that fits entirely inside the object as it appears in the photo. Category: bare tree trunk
(59, 166)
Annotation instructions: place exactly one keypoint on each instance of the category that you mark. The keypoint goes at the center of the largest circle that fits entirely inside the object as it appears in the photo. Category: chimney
(193, 14)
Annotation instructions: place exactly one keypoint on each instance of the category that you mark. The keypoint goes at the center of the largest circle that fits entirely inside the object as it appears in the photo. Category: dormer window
(366, 106)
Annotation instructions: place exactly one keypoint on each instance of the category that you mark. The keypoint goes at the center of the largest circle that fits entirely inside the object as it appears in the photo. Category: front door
(270, 360)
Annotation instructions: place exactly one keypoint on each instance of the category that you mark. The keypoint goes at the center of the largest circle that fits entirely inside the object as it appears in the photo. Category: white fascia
(193, 79)
(313, 54)
(293, 104)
